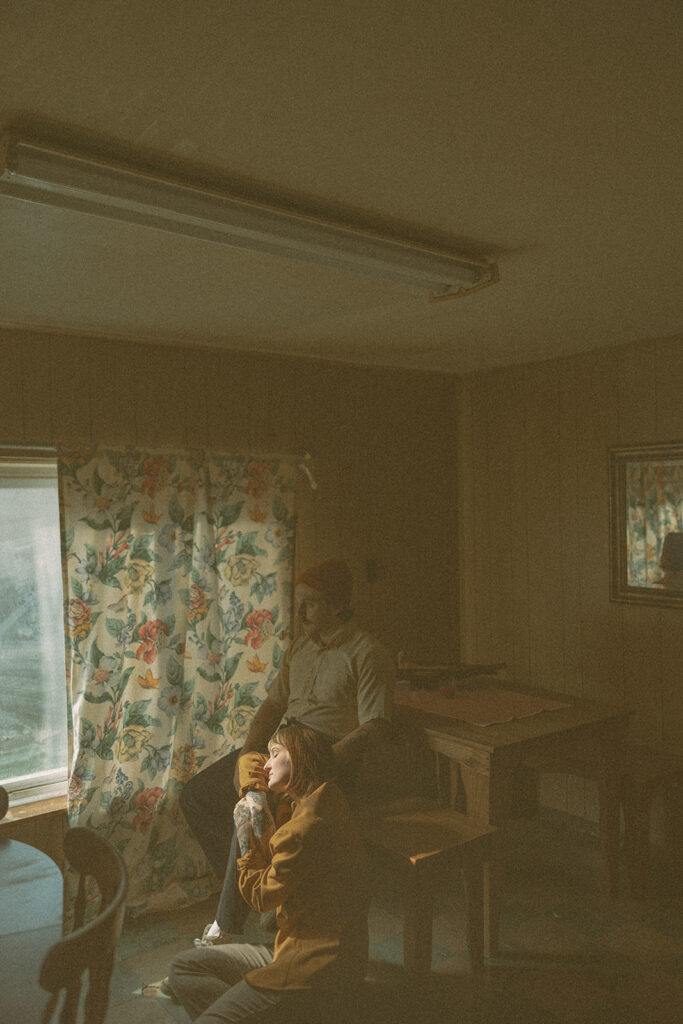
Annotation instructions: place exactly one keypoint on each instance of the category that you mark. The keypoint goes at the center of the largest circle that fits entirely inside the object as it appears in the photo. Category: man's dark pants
(207, 802)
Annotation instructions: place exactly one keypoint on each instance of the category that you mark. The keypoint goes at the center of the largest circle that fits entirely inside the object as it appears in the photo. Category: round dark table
(30, 922)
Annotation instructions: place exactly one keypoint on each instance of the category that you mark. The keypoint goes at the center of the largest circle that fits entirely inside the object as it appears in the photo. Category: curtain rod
(24, 451)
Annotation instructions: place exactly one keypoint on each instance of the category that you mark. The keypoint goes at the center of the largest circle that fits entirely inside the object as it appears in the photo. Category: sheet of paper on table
(485, 706)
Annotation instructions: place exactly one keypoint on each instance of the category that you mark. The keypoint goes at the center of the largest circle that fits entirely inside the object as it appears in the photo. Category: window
(33, 729)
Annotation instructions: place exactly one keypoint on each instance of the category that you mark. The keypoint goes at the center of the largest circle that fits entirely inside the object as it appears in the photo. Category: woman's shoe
(166, 990)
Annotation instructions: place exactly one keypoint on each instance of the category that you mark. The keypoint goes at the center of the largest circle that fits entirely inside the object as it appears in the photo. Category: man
(336, 679)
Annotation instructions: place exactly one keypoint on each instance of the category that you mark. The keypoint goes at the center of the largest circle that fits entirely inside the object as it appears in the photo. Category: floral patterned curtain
(654, 507)
(177, 577)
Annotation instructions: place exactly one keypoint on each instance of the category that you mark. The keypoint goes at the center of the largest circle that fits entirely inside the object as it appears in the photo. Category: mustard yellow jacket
(316, 877)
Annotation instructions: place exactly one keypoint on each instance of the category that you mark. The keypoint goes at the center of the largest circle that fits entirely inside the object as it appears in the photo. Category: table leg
(454, 777)
(673, 831)
(418, 912)
(609, 797)
(610, 826)
(488, 791)
(636, 803)
(473, 882)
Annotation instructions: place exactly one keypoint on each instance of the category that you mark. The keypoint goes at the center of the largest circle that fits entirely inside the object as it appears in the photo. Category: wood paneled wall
(505, 559)
(381, 441)
(534, 531)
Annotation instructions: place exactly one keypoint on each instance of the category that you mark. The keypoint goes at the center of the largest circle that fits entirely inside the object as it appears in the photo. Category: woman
(311, 869)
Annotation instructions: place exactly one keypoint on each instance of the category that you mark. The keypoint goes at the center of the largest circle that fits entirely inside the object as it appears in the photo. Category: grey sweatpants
(209, 982)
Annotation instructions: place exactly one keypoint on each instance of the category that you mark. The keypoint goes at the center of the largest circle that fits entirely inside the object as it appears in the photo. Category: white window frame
(43, 785)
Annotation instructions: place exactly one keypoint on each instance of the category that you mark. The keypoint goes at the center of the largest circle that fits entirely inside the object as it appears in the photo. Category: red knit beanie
(332, 579)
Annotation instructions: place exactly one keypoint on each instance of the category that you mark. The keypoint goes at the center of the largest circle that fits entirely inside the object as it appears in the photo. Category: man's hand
(254, 823)
(352, 746)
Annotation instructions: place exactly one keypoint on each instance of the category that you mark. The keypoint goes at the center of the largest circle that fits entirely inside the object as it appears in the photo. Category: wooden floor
(568, 955)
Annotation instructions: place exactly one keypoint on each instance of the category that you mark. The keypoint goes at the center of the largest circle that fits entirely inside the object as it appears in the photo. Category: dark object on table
(449, 679)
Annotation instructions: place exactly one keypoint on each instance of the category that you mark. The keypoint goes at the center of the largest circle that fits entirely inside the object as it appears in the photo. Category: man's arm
(375, 699)
(352, 746)
(263, 725)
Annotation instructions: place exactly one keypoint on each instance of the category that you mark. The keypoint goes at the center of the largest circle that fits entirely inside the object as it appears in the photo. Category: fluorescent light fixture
(42, 174)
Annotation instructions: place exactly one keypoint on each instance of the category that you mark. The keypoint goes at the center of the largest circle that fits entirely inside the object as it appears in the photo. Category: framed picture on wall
(646, 524)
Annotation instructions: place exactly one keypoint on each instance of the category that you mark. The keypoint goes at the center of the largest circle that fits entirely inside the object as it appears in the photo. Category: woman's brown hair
(310, 755)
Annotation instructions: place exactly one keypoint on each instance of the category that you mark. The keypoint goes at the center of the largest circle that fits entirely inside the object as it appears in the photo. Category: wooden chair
(584, 761)
(642, 773)
(646, 773)
(421, 848)
(90, 946)
(4, 802)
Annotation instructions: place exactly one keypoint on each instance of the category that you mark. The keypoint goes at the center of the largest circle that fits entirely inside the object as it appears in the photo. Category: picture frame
(646, 505)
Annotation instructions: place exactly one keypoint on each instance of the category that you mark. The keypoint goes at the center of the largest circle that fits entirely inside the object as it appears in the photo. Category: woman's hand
(254, 823)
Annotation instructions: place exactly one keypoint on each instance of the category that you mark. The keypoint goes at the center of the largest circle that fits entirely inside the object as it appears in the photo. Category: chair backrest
(4, 802)
(90, 946)
(400, 765)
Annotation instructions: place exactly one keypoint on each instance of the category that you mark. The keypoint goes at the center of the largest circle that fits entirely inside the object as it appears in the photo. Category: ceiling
(542, 134)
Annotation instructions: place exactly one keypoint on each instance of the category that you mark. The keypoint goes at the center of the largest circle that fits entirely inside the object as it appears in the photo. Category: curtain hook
(308, 470)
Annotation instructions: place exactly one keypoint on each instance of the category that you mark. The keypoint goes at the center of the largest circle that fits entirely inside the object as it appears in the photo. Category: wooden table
(30, 922)
(484, 757)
